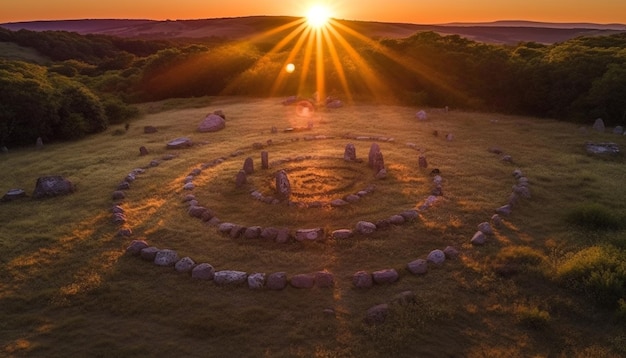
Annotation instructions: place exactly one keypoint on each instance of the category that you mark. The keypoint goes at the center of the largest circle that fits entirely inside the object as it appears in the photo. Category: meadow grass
(68, 289)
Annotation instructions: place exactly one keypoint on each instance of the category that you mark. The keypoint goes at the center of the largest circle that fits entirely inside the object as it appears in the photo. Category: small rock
(302, 281)
(277, 281)
(282, 236)
(324, 279)
(485, 228)
(252, 232)
(136, 246)
(148, 253)
(479, 238)
(451, 252)
(362, 279)
(227, 277)
(385, 276)
(504, 210)
(269, 233)
(179, 143)
(166, 258)
(185, 264)
(405, 298)
(418, 267)
(256, 281)
(365, 227)
(410, 215)
(377, 314)
(309, 234)
(342, 234)
(203, 271)
(436, 256)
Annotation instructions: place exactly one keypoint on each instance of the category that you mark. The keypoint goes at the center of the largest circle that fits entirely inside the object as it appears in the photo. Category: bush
(594, 217)
(532, 317)
(598, 271)
(118, 112)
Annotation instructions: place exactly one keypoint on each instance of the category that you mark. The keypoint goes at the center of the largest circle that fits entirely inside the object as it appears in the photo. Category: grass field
(68, 288)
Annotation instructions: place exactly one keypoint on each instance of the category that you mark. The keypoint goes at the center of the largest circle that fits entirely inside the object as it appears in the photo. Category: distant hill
(499, 32)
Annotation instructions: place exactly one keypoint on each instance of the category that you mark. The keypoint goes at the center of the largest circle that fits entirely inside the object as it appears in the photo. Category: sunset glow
(417, 12)
(318, 16)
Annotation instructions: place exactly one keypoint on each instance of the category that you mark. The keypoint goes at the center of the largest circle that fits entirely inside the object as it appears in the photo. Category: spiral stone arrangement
(320, 279)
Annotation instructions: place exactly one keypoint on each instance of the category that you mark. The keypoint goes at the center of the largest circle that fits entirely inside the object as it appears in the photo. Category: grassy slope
(69, 290)
(11, 51)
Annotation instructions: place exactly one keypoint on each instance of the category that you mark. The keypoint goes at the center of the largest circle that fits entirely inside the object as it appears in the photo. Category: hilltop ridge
(498, 32)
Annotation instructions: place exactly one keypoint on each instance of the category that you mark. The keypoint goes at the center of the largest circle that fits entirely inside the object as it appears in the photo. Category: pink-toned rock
(302, 281)
(362, 279)
(277, 281)
(418, 267)
(385, 276)
(212, 123)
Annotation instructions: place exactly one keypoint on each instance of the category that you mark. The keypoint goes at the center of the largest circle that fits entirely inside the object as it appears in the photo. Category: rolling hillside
(501, 32)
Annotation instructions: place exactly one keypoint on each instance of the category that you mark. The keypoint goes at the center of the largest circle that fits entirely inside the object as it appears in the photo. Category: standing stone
(248, 166)
(350, 153)
(379, 162)
(618, 130)
(422, 162)
(421, 115)
(143, 151)
(598, 125)
(39, 143)
(283, 187)
(374, 149)
(265, 160)
(241, 179)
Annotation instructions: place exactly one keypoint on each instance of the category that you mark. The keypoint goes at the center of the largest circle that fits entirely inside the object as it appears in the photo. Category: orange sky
(413, 11)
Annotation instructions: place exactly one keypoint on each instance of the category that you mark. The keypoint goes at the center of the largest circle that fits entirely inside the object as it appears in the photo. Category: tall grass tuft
(593, 216)
(598, 271)
(532, 316)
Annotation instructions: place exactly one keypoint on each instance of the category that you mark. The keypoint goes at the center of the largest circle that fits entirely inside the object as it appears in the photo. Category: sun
(318, 16)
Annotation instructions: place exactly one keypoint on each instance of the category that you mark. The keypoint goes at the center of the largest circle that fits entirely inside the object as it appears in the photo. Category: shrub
(532, 317)
(119, 112)
(599, 271)
(593, 217)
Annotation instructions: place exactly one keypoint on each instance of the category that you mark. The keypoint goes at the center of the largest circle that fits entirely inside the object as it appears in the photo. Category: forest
(83, 83)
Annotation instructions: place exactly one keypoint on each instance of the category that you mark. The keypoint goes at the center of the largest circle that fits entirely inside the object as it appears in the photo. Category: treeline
(89, 82)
